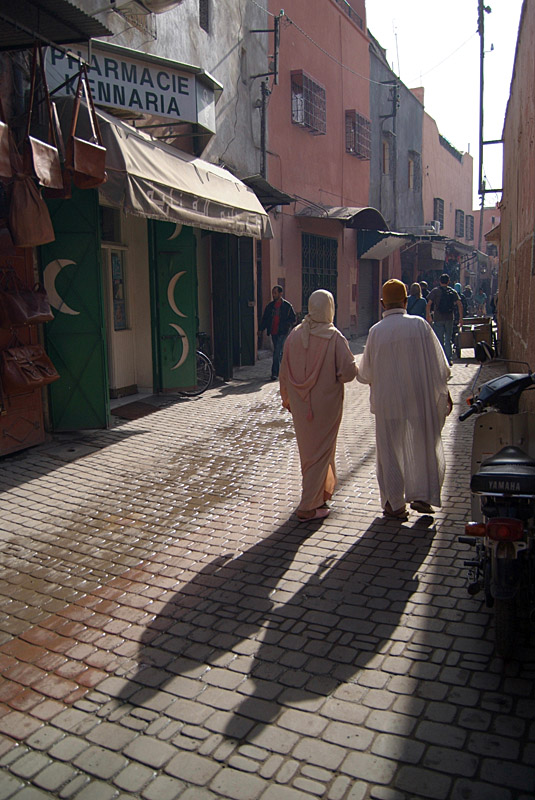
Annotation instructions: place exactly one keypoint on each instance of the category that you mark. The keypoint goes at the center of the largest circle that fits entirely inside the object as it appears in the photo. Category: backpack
(448, 300)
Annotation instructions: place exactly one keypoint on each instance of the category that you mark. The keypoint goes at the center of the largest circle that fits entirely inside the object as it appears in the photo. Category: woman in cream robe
(316, 363)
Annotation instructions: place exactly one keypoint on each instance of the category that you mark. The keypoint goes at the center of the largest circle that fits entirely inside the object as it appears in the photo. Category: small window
(204, 15)
(118, 282)
(438, 210)
(309, 107)
(459, 223)
(410, 175)
(110, 224)
(358, 135)
(386, 157)
(469, 228)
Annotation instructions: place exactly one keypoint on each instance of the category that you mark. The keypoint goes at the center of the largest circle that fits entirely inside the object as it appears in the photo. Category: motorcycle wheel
(504, 626)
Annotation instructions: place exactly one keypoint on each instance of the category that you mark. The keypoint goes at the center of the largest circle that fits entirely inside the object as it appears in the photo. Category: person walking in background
(440, 304)
(407, 372)
(424, 286)
(278, 319)
(416, 304)
(480, 302)
(316, 363)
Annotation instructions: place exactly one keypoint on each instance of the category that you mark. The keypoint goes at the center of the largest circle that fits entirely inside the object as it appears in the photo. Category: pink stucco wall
(445, 177)
(316, 168)
(517, 246)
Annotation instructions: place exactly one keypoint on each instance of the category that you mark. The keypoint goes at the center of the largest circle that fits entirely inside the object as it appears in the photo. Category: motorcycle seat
(511, 471)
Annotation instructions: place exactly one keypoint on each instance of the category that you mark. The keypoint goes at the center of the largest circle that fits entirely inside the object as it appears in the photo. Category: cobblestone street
(169, 630)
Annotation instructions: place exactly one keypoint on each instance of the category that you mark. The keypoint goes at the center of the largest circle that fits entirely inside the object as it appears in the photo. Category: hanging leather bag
(5, 161)
(42, 157)
(65, 192)
(86, 160)
(29, 220)
(26, 367)
(20, 305)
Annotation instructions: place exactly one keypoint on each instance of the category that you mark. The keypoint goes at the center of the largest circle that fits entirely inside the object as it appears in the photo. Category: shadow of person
(279, 626)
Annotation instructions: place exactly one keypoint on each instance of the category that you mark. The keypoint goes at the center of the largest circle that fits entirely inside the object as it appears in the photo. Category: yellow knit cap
(394, 291)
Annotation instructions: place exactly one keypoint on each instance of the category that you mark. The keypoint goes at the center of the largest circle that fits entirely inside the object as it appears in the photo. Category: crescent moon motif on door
(185, 345)
(50, 273)
(171, 293)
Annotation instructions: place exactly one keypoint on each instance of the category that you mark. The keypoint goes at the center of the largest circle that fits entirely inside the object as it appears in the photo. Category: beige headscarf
(319, 320)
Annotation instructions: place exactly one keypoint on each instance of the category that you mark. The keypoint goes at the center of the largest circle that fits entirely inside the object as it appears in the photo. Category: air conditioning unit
(434, 226)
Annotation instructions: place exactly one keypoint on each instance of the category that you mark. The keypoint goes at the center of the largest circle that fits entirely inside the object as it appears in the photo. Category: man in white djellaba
(405, 366)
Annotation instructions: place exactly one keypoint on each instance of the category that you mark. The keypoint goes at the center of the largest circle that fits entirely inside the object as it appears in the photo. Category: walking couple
(407, 372)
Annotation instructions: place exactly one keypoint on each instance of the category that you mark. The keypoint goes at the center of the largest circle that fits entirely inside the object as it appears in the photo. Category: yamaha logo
(504, 486)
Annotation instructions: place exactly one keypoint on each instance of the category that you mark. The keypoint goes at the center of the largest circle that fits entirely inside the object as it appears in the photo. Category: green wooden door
(76, 339)
(246, 296)
(174, 304)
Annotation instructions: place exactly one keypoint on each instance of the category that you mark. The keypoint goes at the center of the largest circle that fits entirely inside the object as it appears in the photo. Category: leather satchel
(42, 156)
(86, 160)
(26, 367)
(5, 161)
(20, 305)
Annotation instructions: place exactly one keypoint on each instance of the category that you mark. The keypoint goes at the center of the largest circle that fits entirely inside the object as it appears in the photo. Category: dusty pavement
(168, 630)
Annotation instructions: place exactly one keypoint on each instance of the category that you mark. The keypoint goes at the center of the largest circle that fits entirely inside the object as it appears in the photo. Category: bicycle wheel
(205, 376)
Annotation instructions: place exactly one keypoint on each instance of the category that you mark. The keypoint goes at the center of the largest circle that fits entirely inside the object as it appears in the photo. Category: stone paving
(169, 630)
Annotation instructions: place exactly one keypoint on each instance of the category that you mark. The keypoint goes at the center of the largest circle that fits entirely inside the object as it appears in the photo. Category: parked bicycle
(204, 368)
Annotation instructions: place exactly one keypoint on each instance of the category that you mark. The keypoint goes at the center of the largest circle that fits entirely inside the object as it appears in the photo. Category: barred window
(309, 107)
(459, 223)
(358, 135)
(414, 171)
(469, 227)
(386, 157)
(438, 210)
(319, 265)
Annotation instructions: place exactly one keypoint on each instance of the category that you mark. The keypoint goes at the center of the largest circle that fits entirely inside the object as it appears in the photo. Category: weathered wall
(317, 168)
(230, 53)
(517, 262)
(400, 205)
(445, 176)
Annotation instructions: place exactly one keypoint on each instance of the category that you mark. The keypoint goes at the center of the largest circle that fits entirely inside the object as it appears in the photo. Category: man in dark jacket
(277, 320)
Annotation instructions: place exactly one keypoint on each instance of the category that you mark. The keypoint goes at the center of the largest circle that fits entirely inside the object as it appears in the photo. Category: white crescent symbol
(171, 293)
(185, 345)
(177, 231)
(50, 273)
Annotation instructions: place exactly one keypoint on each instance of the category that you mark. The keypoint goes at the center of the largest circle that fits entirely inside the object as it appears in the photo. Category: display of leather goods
(5, 161)
(20, 305)
(86, 160)
(26, 367)
(42, 156)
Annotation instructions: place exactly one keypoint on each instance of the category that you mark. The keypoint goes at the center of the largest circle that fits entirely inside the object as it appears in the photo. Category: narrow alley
(169, 630)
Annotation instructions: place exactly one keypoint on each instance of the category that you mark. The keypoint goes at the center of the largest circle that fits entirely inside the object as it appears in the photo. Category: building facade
(517, 208)
(319, 155)
(167, 244)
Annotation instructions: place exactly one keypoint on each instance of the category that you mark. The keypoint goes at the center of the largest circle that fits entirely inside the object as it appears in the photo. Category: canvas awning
(151, 179)
(351, 216)
(379, 244)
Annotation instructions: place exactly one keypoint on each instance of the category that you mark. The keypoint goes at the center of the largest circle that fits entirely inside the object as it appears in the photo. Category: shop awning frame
(60, 22)
(351, 216)
(379, 244)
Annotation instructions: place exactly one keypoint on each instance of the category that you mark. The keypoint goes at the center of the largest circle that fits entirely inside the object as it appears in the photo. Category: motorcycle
(502, 485)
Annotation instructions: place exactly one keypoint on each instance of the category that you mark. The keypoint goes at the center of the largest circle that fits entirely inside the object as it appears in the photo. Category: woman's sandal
(320, 513)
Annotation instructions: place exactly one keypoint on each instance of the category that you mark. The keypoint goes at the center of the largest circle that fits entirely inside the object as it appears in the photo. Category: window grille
(469, 228)
(438, 210)
(459, 223)
(386, 157)
(319, 265)
(358, 135)
(204, 15)
(309, 107)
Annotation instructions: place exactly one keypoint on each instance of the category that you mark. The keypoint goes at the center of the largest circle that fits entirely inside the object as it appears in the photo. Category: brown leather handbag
(26, 367)
(43, 157)
(20, 305)
(86, 160)
(29, 220)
